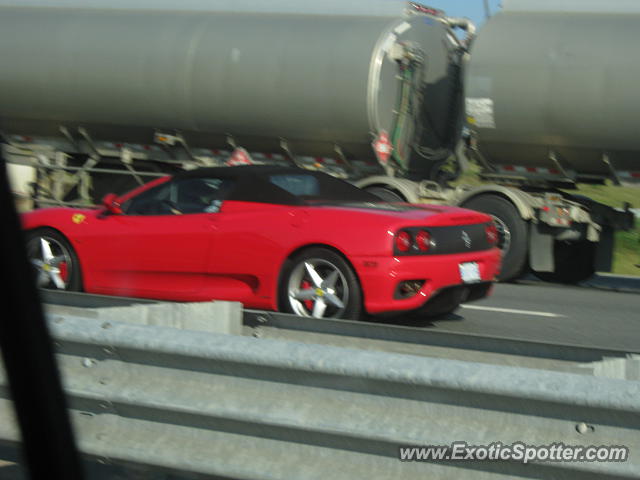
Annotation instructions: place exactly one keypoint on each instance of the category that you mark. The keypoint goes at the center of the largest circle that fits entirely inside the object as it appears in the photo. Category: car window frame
(172, 186)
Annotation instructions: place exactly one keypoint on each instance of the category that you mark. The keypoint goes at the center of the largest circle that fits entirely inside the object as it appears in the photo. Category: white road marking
(510, 310)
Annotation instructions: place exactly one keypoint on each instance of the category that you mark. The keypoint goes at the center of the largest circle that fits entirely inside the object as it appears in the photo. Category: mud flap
(604, 250)
(540, 249)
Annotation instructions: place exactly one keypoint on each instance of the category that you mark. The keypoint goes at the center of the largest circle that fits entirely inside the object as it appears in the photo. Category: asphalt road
(550, 313)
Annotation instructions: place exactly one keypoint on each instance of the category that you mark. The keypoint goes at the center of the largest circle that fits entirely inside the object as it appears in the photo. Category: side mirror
(111, 203)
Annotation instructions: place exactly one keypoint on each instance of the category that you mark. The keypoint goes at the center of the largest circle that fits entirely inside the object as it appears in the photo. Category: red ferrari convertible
(270, 237)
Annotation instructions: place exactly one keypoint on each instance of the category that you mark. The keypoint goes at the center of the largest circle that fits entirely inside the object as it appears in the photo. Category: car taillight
(423, 240)
(492, 233)
(403, 241)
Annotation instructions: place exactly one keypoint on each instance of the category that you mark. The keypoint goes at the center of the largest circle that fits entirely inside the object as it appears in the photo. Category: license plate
(470, 272)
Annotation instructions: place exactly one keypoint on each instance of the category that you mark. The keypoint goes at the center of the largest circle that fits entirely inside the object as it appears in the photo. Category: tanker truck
(551, 101)
(96, 99)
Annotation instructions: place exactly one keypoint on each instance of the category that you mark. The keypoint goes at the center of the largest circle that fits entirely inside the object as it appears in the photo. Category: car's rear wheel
(54, 260)
(319, 283)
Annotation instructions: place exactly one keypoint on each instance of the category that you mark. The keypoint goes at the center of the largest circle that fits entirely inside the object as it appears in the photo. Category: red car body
(238, 252)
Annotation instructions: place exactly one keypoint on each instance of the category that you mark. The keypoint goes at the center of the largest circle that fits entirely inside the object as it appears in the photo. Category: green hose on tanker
(404, 111)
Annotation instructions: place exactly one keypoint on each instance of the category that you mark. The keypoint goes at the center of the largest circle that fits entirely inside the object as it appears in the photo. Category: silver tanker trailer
(143, 89)
(552, 89)
(95, 98)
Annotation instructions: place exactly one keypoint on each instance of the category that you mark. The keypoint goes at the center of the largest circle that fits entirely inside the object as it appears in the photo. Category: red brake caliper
(64, 273)
(305, 286)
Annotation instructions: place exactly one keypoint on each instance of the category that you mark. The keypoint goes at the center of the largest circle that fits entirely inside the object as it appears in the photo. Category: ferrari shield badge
(78, 218)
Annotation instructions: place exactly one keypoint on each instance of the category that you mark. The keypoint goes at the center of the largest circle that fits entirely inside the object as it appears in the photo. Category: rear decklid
(451, 229)
(420, 214)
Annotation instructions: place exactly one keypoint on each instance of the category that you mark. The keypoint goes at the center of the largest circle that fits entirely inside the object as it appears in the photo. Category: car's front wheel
(54, 260)
(319, 283)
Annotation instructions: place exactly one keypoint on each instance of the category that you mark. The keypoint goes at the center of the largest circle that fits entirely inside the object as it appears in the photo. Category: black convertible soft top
(239, 171)
(282, 185)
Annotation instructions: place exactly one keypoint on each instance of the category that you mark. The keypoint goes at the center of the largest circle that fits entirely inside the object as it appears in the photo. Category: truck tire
(512, 228)
(386, 194)
(573, 262)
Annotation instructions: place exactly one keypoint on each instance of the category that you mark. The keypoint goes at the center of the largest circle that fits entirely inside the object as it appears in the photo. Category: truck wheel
(512, 230)
(573, 262)
(385, 194)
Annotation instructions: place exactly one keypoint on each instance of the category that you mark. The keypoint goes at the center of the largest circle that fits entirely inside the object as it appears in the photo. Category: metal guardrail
(89, 300)
(384, 336)
(237, 407)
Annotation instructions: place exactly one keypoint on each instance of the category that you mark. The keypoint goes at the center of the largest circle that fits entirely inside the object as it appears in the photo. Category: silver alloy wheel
(504, 234)
(317, 288)
(52, 262)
